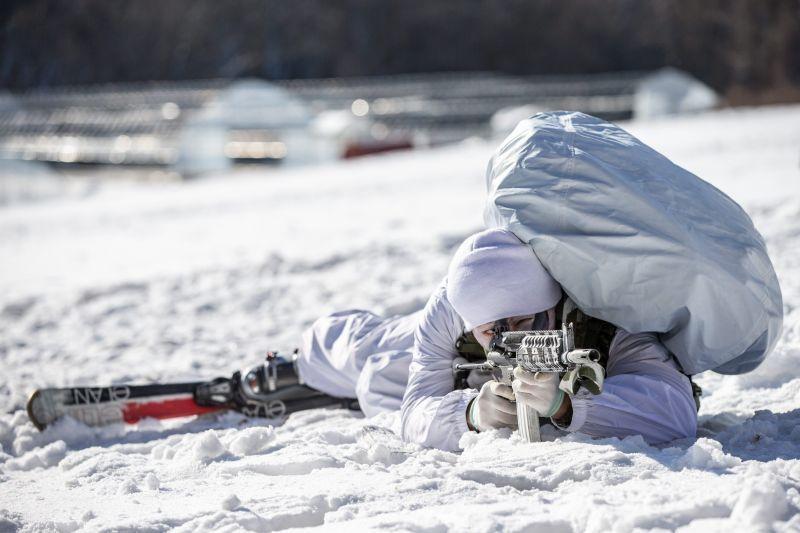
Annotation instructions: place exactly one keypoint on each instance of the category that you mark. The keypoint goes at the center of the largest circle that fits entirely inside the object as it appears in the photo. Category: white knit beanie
(494, 275)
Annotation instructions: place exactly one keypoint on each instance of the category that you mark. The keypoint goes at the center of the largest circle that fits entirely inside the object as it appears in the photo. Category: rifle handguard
(541, 351)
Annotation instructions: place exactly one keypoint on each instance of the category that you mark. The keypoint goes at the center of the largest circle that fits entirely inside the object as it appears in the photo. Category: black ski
(271, 390)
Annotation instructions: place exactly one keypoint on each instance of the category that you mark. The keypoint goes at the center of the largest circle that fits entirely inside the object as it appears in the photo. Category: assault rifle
(540, 351)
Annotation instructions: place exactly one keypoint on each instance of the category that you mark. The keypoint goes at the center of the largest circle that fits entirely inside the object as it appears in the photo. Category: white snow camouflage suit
(405, 363)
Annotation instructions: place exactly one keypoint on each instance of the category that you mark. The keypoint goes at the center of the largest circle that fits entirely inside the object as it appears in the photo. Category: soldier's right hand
(493, 408)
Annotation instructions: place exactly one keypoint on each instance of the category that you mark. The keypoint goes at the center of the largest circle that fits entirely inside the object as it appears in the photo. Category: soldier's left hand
(538, 391)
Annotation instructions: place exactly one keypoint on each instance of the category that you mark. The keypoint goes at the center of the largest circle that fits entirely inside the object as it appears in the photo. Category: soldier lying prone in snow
(406, 362)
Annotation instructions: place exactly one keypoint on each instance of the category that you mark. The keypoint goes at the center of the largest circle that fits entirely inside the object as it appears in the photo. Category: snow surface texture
(142, 282)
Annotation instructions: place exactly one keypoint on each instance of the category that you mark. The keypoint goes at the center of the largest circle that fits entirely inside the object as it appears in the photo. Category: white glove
(493, 407)
(538, 391)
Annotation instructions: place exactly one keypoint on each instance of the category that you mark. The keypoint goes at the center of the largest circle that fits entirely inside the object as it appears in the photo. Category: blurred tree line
(747, 49)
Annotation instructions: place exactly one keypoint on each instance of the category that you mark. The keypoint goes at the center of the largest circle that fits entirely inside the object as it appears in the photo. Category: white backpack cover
(638, 241)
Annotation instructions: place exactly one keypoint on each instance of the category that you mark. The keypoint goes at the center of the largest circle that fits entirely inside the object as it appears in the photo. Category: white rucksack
(638, 241)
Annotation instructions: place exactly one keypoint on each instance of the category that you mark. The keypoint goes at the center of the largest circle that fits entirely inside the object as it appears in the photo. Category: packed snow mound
(189, 281)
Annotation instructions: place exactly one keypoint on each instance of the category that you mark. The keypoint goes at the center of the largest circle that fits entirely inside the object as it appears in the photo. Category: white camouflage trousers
(358, 354)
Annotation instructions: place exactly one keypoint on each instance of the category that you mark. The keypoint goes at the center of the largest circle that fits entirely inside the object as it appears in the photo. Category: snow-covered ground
(142, 282)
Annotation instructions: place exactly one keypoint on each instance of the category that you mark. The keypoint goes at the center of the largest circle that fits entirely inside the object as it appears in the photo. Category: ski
(100, 406)
(271, 390)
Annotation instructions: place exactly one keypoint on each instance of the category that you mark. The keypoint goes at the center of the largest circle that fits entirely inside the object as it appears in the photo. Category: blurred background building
(198, 86)
(207, 126)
